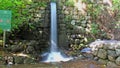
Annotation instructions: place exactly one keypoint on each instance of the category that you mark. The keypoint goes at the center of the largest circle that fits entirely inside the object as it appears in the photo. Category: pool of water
(70, 64)
(41, 65)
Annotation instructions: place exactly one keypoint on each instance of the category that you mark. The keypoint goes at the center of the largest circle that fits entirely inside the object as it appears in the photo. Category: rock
(117, 52)
(30, 50)
(111, 55)
(77, 41)
(95, 52)
(103, 61)
(19, 60)
(88, 55)
(81, 57)
(96, 58)
(66, 12)
(111, 52)
(102, 53)
(17, 48)
(118, 45)
(29, 60)
(95, 45)
(9, 60)
(86, 50)
(118, 61)
(75, 17)
(32, 43)
(112, 47)
(111, 58)
(112, 65)
(73, 22)
(106, 46)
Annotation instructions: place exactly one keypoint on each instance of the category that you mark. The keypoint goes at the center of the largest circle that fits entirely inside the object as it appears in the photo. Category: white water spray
(54, 55)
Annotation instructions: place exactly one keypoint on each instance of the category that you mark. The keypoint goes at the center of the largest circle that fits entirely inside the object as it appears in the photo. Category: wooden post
(4, 38)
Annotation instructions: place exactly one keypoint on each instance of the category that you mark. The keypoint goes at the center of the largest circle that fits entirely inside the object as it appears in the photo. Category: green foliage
(20, 10)
(16, 6)
(42, 4)
(68, 18)
(53, 0)
(116, 4)
(94, 28)
(94, 9)
(87, 1)
(69, 3)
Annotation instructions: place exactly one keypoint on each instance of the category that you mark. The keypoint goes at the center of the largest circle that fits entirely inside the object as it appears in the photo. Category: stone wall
(106, 52)
(72, 26)
(78, 26)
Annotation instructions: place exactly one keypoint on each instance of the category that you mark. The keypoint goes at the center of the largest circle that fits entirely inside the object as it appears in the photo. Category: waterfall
(53, 27)
(54, 55)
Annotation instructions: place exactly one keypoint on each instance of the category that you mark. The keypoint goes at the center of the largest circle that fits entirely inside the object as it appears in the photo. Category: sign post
(4, 38)
(5, 22)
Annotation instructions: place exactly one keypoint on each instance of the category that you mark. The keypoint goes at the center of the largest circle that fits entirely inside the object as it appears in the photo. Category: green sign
(5, 19)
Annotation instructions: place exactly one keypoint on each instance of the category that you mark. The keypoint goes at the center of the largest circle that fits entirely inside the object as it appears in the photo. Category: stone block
(95, 52)
(66, 12)
(117, 52)
(106, 46)
(118, 61)
(111, 65)
(102, 53)
(103, 61)
(111, 58)
(118, 45)
(111, 52)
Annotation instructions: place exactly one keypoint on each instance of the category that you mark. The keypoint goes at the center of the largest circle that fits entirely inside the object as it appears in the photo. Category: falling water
(53, 28)
(54, 55)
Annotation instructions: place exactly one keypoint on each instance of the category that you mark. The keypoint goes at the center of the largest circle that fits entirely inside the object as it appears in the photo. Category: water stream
(54, 55)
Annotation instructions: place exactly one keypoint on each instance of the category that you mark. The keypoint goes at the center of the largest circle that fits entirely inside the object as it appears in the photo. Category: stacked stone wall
(106, 52)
